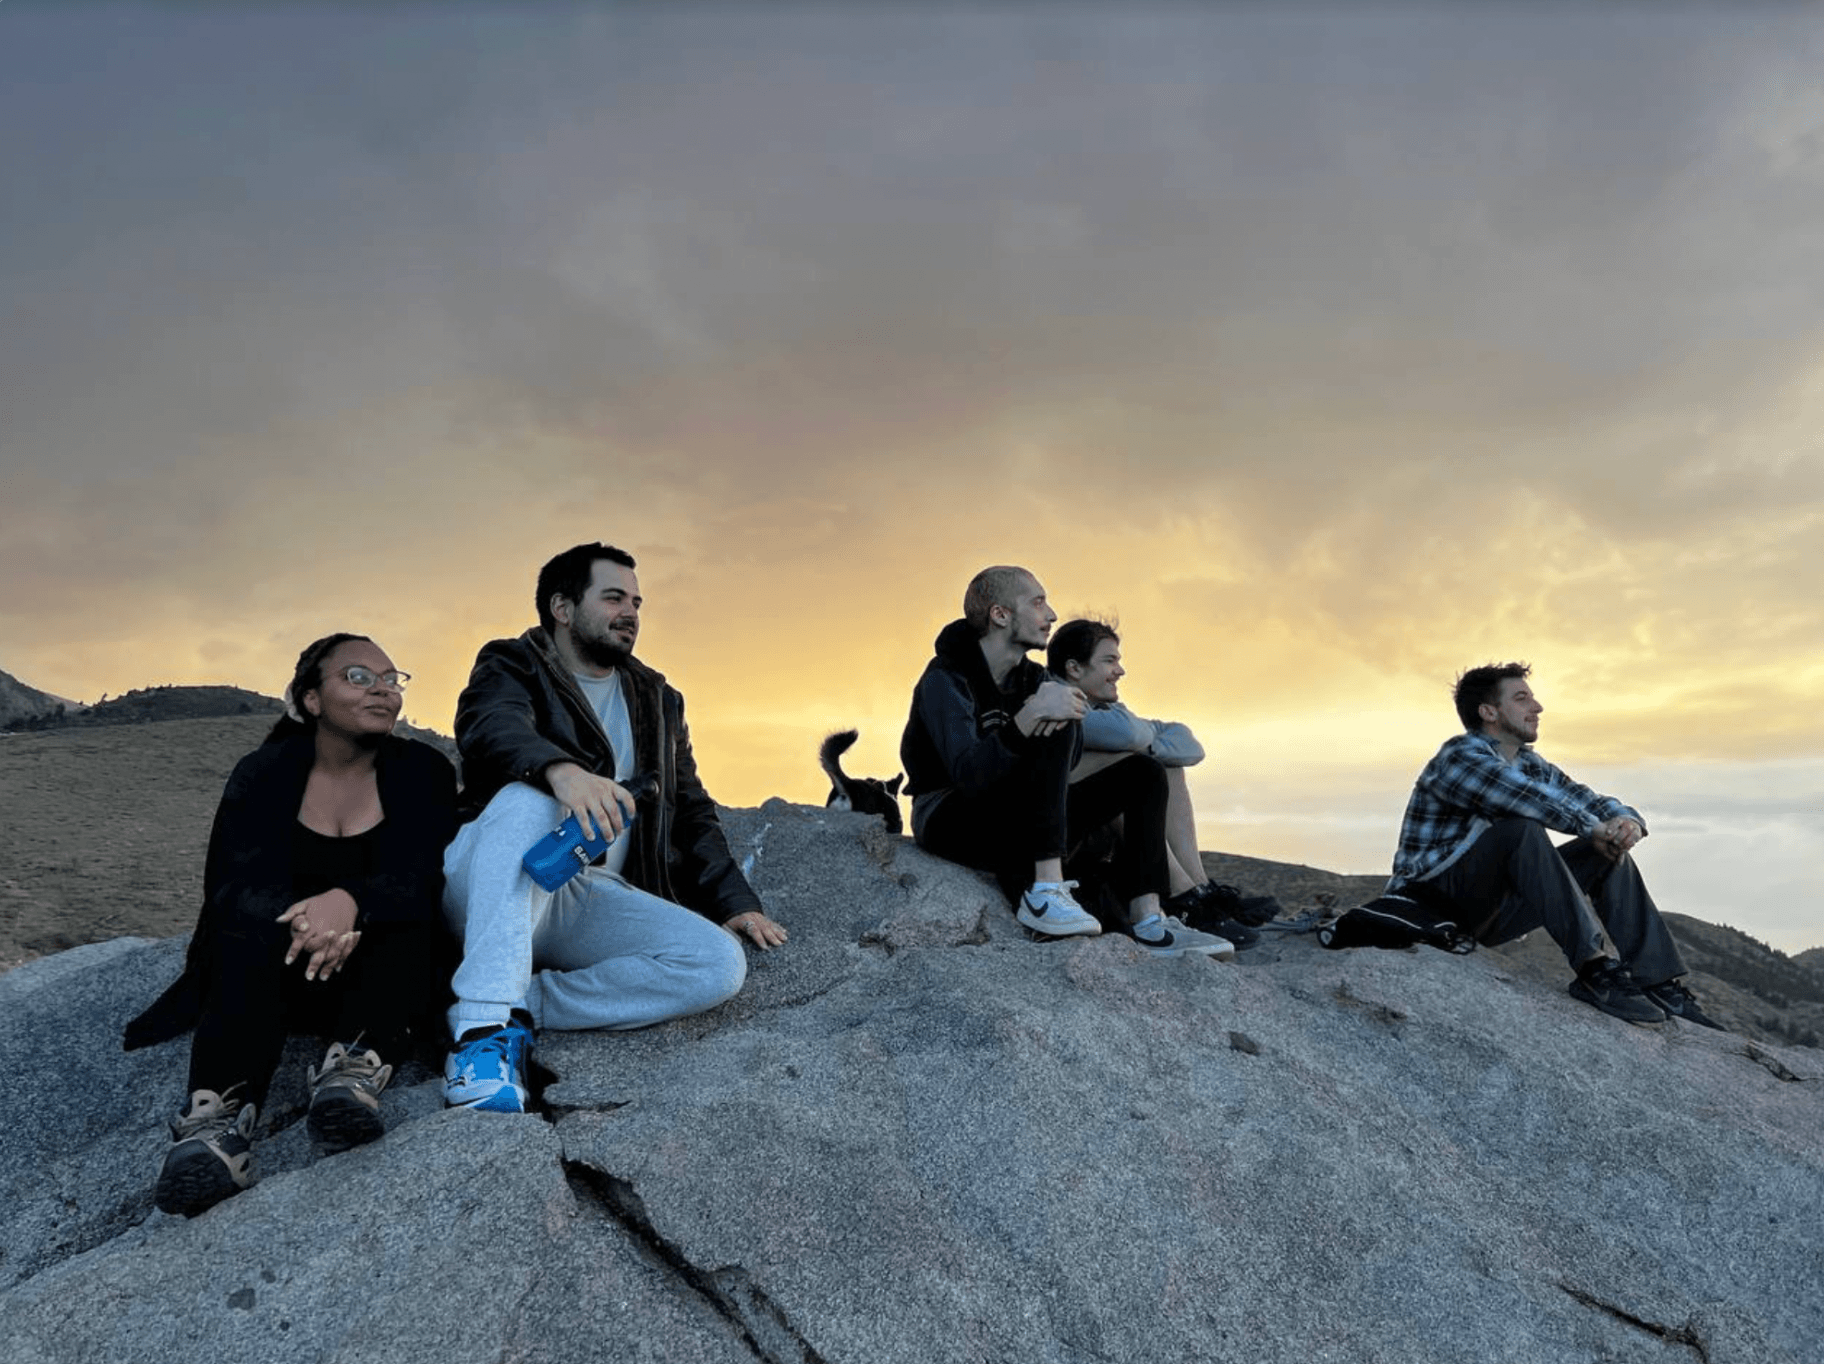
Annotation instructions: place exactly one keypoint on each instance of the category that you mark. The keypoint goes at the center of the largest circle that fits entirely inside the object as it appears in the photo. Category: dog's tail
(829, 756)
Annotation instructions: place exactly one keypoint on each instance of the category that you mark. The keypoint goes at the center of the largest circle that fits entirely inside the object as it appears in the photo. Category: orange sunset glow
(1331, 351)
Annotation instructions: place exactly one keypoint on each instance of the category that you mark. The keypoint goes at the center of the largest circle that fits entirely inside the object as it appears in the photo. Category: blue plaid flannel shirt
(1467, 785)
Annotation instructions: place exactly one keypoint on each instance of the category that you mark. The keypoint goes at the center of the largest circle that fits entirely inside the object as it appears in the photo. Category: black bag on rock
(1396, 921)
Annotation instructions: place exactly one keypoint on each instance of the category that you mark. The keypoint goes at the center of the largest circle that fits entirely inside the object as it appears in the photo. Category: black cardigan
(247, 878)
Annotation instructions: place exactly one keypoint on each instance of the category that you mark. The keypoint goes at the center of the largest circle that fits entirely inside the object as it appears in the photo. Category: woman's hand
(757, 929)
(323, 927)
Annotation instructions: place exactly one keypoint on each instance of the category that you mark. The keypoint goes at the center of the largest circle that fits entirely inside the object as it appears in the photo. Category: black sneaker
(1218, 909)
(1218, 902)
(1236, 932)
(211, 1154)
(1606, 985)
(1678, 1002)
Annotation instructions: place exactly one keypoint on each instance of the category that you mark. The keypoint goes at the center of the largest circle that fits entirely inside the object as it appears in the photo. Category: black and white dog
(866, 795)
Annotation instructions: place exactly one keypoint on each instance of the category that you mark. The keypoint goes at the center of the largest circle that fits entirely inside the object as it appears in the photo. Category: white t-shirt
(610, 704)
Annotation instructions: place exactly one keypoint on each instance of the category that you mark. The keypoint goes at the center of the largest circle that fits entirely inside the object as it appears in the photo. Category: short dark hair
(568, 575)
(1075, 641)
(307, 675)
(992, 587)
(1482, 687)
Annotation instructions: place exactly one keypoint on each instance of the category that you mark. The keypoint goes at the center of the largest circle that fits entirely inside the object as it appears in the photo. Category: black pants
(396, 980)
(1512, 880)
(1036, 813)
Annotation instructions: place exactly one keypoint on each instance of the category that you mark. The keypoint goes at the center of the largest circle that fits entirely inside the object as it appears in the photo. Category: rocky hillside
(150, 705)
(22, 706)
(917, 1136)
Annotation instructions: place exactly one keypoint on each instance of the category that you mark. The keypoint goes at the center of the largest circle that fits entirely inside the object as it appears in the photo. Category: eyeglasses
(357, 676)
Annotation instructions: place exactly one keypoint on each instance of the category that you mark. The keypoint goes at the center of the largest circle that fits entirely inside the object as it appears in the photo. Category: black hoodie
(960, 735)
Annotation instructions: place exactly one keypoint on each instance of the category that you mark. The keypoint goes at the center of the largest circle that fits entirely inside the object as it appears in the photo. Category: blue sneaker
(488, 1073)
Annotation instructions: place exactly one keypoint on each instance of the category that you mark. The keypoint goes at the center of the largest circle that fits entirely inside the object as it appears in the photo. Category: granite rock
(918, 1135)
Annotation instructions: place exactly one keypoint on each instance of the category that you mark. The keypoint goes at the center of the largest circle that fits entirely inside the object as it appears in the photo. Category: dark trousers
(396, 979)
(1035, 813)
(1512, 880)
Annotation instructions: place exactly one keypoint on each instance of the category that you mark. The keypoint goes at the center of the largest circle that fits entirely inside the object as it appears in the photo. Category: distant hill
(1788, 992)
(23, 707)
(151, 705)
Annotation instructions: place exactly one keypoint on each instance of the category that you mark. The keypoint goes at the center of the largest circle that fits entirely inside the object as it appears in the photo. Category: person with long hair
(321, 914)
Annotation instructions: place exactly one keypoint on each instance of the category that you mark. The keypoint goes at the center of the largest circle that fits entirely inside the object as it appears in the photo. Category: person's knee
(517, 802)
(1146, 780)
(1515, 831)
(721, 971)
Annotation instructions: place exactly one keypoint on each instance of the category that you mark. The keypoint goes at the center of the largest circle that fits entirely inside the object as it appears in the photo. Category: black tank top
(322, 861)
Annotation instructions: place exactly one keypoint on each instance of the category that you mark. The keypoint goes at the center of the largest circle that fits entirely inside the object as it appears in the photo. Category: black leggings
(397, 977)
(1035, 813)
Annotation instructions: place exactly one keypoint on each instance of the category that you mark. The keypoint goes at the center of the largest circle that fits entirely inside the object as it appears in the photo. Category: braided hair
(307, 676)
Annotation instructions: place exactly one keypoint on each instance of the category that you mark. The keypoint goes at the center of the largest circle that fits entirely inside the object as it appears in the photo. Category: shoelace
(498, 1044)
(349, 1066)
(210, 1123)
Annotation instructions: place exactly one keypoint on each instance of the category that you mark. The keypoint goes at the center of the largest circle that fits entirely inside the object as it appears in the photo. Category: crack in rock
(1771, 1064)
(729, 1289)
(978, 936)
(1381, 1013)
(811, 995)
(1686, 1335)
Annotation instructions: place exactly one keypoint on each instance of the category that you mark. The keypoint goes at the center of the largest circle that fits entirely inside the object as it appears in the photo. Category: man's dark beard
(603, 653)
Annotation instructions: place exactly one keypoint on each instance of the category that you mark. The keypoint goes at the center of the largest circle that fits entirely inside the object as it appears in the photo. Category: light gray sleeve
(1115, 729)
(1173, 744)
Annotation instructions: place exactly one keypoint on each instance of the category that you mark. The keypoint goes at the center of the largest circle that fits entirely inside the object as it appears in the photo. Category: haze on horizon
(1334, 350)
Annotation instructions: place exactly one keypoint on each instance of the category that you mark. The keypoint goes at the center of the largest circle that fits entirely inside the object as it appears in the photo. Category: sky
(1332, 349)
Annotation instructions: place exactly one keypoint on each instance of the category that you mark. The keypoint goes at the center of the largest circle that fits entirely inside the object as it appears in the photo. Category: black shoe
(1678, 1002)
(1227, 902)
(1236, 932)
(1259, 909)
(1606, 985)
(1213, 908)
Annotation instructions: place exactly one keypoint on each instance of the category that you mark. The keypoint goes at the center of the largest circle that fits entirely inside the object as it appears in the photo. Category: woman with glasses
(321, 914)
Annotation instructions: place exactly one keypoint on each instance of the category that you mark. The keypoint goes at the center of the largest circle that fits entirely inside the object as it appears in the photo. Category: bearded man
(565, 721)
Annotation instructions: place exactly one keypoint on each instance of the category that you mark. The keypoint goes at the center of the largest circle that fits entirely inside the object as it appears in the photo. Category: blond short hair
(996, 586)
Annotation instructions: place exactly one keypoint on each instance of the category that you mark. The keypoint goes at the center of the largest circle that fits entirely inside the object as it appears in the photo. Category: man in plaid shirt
(1474, 844)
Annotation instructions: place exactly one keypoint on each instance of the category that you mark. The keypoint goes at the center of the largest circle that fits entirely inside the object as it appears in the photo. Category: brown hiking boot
(211, 1154)
(345, 1098)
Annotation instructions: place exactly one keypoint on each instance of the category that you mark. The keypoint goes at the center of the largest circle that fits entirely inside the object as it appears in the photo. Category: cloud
(1333, 351)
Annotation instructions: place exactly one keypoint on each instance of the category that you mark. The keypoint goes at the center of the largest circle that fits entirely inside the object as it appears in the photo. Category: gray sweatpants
(595, 953)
